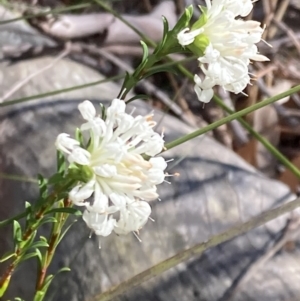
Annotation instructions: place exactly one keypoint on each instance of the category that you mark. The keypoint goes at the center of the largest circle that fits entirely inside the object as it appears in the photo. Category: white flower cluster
(230, 45)
(122, 181)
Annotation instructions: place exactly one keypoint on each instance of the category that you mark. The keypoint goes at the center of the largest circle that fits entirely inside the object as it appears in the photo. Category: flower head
(121, 180)
(225, 45)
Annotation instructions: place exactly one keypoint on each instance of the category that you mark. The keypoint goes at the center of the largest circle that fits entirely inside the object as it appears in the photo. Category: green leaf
(159, 70)
(184, 20)
(40, 244)
(47, 219)
(17, 234)
(65, 210)
(6, 256)
(61, 162)
(144, 59)
(103, 111)
(65, 232)
(39, 296)
(28, 256)
(65, 269)
(127, 78)
(145, 51)
(43, 187)
(79, 137)
(56, 178)
(165, 36)
(39, 256)
(138, 96)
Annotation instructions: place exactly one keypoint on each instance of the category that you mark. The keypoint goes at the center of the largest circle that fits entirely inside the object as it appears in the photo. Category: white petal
(87, 110)
(99, 223)
(80, 156)
(65, 144)
(187, 37)
(81, 192)
(158, 162)
(106, 170)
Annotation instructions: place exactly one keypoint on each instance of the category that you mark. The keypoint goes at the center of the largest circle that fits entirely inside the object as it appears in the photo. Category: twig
(197, 250)
(289, 32)
(23, 82)
(238, 131)
(278, 17)
(149, 87)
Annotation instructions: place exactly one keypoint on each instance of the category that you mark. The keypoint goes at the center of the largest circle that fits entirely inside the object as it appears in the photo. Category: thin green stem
(55, 92)
(197, 250)
(271, 148)
(53, 243)
(113, 78)
(114, 13)
(14, 218)
(54, 11)
(17, 178)
(231, 117)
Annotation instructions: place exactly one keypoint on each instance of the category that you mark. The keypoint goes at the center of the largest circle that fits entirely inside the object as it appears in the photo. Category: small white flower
(122, 181)
(228, 45)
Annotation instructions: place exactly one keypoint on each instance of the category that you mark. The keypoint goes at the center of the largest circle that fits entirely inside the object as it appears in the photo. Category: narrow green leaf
(47, 219)
(160, 46)
(79, 137)
(39, 244)
(12, 219)
(144, 60)
(62, 270)
(184, 20)
(65, 210)
(17, 234)
(159, 70)
(39, 256)
(61, 162)
(6, 256)
(28, 256)
(39, 296)
(43, 186)
(64, 233)
(145, 51)
(138, 96)
(43, 238)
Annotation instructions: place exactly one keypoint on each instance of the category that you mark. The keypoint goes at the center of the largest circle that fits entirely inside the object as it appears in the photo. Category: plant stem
(197, 250)
(53, 242)
(54, 11)
(238, 115)
(32, 97)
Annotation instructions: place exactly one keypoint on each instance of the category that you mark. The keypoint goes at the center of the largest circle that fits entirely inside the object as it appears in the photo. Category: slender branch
(55, 92)
(197, 250)
(54, 11)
